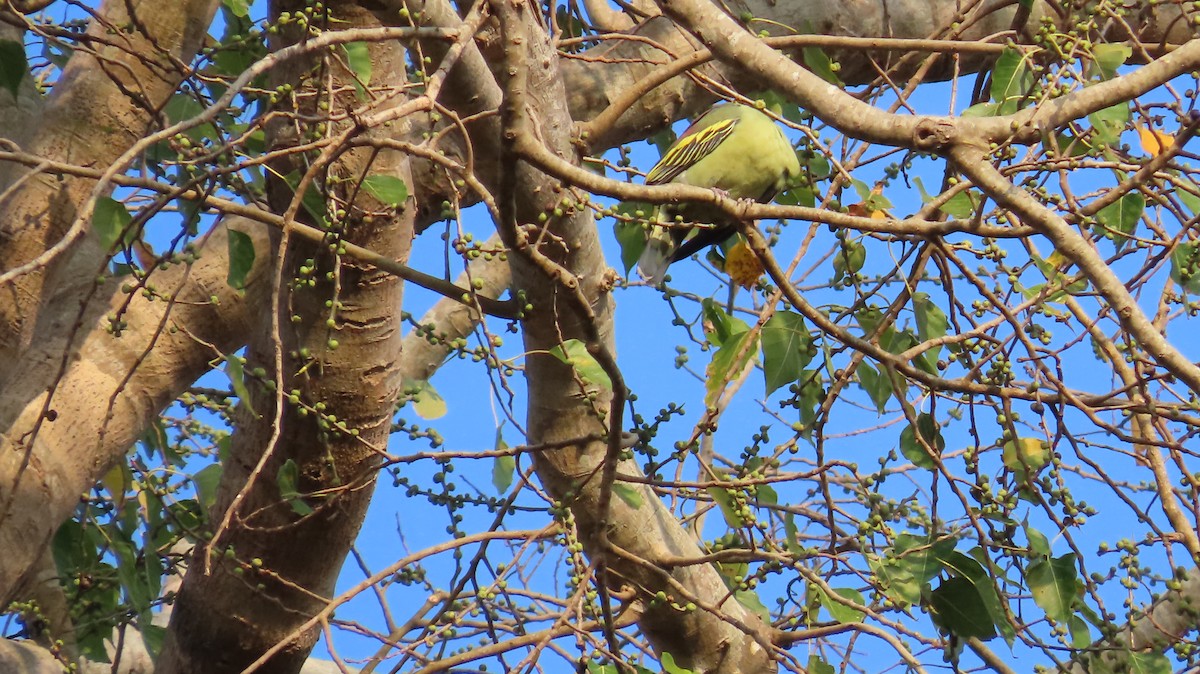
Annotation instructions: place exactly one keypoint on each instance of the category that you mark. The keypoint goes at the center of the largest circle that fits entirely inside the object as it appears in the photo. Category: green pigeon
(733, 148)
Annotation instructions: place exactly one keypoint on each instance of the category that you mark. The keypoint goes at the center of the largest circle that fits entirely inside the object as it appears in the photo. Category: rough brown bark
(80, 396)
(567, 287)
(101, 105)
(271, 567)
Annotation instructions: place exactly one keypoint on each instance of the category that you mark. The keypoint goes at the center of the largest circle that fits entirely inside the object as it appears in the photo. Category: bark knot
(933, 134)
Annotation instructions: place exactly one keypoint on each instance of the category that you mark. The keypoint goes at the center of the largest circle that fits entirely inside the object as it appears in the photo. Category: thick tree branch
(553, 276)
(81, 396)
(333, 353)
(99, 107)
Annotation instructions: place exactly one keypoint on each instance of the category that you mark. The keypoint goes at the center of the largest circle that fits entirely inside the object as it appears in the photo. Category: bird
(733, 148)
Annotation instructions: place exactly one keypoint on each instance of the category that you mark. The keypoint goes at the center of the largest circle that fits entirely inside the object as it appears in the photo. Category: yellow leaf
(860, 210)
(1154, 142)
(742, 265)
(117, 481)
(1025, 454)
(1057, 260)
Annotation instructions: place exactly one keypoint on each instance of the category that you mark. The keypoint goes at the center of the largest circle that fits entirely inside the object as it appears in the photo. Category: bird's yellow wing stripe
(690, 148)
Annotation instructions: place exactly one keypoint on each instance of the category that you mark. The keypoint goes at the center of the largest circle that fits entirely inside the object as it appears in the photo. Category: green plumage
(732, 148)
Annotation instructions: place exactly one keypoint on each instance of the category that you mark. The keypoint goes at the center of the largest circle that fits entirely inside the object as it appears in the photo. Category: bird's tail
(652, 265)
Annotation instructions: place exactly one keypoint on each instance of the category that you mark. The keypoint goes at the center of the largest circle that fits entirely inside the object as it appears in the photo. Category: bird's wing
(689, 149)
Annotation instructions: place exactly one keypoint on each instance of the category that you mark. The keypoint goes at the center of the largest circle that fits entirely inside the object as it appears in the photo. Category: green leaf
(663, 140)
(840, 612)
(787, 347)
(869, 319)
(241, 259)
(924, 554)
(1121, 217)
(812, 392)
(1068, 145)
(130, 575)
(1185, 266)
(986, 595)
(849, 259)
(389, 190)
(1038, 543)
(729, 509)
(312, 200)
(669, 666)
(1081, 636)
(237, 379)
(792, 535)
(1107, 124)
(728, 363)
(71, 548)
(186, 514)
(112, 222)
(931, 320)
(911, 446)
(504, 465)
(358, 57)
(765, 495)
(877, 386)
(1053, 584)
(818, 167)
(958, 608)
(428, 404)
(871, 200)
(799, 195)
(237, 7)
(816, 60)
(13, 66)
(1149, 663)
(895, 579)
(1190, 200)
(982, 110)
(182, 107)
(718, 325)
(151, 575)
(733, 573)
(574, 353)
(629, 494)
(502, 472)
(781, 106)
(191, 209)
(1072, 284)
(818, 666)
(931, 324)
(1107, 58)
(1012, 82)
(206, 481)
(631, 236)
(750, 599)
(899, 341)
(288, 479)
(912, 562)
